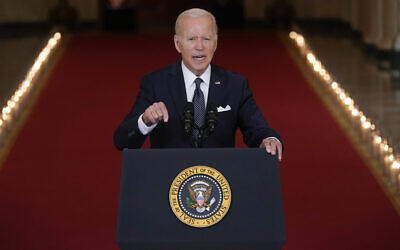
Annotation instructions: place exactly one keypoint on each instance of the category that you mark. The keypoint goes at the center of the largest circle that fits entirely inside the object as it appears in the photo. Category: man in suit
(163, 95)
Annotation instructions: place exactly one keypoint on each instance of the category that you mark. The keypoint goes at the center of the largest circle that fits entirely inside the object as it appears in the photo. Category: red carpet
(59, 186)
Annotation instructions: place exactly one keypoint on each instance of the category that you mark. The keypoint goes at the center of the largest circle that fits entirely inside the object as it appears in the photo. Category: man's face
(197, 42)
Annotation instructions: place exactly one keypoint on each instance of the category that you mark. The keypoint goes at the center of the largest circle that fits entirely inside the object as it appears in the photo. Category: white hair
(195, 12)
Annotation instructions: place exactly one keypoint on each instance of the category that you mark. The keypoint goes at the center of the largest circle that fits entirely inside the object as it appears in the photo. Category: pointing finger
(268, 148)
(273, 148)
(164, 111)
(280, 151)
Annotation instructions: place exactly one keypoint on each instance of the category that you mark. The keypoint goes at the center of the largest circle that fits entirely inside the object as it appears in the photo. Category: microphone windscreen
(189, 107)
(188, 117)
(211, 107)
(211, 117)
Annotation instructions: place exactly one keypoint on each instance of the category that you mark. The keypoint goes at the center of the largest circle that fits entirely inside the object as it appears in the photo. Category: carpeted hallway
(59, 185)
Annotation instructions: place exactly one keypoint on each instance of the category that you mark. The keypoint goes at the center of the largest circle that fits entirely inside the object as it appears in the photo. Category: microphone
(211, 117)
(188, 119)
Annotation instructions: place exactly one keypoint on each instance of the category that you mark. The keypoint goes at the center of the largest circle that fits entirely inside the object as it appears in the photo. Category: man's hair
(195, 12)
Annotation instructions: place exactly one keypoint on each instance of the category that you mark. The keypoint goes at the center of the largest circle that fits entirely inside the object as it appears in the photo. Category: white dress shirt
(190, 86)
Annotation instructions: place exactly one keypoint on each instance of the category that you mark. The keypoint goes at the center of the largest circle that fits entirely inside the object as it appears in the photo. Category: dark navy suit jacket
(167, 85)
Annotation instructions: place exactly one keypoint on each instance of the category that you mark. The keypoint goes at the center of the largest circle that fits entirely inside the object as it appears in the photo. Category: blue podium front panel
(146, 220)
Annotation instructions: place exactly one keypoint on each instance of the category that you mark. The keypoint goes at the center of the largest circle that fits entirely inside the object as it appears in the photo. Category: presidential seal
(200, 196)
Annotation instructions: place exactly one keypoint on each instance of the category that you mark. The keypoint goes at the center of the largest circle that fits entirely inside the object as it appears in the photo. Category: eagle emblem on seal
(200, 193)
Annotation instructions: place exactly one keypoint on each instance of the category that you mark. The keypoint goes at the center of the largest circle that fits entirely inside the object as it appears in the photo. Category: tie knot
(198, 81)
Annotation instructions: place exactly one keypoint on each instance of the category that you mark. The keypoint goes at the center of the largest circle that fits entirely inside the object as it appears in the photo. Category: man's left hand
(272, 146)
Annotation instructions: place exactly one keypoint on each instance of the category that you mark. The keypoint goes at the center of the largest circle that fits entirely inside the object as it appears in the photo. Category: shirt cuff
(144, 129)
(271, 137)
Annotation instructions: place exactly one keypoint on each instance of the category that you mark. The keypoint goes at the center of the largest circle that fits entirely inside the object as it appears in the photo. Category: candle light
(394, 171)
(397, 165)
(371, 139)
(394, 178)
(365, 129)
(9, 111)
(376, 144)
(1, 132)
(355, 117)
(384, 156)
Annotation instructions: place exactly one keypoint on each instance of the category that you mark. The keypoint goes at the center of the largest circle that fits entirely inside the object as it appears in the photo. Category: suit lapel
(217, 85)
(177, 90)
(176, 87)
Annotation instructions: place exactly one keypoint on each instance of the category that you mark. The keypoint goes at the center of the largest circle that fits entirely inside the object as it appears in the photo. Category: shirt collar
(189, 77)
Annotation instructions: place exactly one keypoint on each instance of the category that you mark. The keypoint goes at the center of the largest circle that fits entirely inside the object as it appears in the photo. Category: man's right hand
(155, 113)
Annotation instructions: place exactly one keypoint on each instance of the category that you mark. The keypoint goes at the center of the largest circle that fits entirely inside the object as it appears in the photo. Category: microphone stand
(206, 130)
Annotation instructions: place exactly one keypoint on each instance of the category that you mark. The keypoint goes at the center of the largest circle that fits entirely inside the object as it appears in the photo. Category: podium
(146, 220)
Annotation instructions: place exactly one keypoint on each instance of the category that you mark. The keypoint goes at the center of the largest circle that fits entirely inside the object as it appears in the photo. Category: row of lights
(12, 105)
(371, 136)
